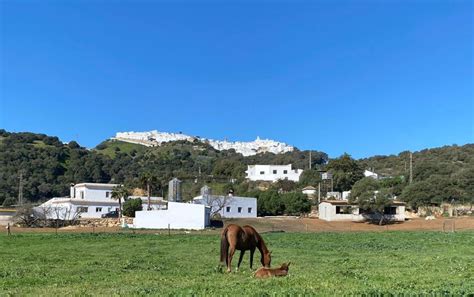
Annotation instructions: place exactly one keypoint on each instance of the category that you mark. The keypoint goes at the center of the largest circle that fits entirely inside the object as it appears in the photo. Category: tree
(284, 185)
(217, 203)
(364, 185)
(371, 196)
(270, 203)
(120, 192)
(345, 172)
(295, 203)
(374, 202)
(131, 206)
(310, 178)
(148, 180)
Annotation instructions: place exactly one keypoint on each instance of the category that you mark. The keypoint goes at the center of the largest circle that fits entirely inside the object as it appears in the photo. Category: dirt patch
(286, 224)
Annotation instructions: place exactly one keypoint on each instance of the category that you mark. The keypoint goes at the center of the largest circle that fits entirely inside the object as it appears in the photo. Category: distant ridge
(156, 138)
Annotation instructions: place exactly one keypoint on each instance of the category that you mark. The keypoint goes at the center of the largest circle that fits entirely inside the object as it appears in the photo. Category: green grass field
(432, 263)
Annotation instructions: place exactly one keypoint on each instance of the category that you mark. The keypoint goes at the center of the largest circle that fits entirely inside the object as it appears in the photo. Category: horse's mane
(260, 241)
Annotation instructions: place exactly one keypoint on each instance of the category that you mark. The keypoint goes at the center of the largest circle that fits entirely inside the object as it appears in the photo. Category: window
(227, 209)
(82, 209)
(285, 171)
(391, 210)
(262, 172)
(250, 210)
(343, 209)
(107, 194)
(274, 172)
(98, 209)
(239, 209)
(82, 194)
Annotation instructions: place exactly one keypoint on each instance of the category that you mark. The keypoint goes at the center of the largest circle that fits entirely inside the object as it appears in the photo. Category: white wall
(327, 212)
(68, 209)
(232, 205)
(273, 172)
(94, 193)
(178, 216)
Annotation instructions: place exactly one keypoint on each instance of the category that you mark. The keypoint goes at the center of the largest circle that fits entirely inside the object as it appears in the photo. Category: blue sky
(363, 77)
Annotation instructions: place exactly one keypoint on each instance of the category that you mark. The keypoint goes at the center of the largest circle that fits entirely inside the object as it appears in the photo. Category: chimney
(72, 191)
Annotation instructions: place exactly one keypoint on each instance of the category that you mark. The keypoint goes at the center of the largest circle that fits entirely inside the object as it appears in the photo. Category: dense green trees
(131, 206)
(48, 166)
(345, 172)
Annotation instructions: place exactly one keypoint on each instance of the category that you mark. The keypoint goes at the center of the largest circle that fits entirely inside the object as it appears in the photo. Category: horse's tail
(224, 245)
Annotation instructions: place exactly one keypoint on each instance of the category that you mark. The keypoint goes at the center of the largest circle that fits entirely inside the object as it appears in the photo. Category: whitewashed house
(309, 190)
(87, 200)
(273, 173)
(229, 206)
(175, 215)
(339, 210)
(368, 173)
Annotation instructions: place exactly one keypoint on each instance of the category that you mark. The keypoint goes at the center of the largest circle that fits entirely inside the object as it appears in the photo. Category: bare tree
(217, 203)
(25, 216)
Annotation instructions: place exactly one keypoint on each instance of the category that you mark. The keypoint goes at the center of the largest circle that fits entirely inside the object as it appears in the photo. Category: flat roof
(344, 202)
(91, 185)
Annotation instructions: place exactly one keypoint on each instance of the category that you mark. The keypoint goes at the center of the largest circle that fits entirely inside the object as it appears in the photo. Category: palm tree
(148, 180)
(120, 192)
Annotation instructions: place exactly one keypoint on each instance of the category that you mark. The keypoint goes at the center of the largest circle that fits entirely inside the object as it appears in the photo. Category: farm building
(309, 190)
(229, 206)
(87, 200)
(174, 215)
(339, 210)
(273, 173)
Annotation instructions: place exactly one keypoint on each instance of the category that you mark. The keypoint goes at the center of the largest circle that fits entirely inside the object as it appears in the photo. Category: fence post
(169, 230)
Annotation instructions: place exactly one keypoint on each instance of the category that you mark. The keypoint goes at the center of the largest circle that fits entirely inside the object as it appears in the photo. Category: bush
(131, 206)
(296, 203)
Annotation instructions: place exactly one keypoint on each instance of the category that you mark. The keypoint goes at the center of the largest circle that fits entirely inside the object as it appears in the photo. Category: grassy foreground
(322, 264)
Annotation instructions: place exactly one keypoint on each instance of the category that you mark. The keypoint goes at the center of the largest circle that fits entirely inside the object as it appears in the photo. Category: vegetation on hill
(47, 167)
(440, 175)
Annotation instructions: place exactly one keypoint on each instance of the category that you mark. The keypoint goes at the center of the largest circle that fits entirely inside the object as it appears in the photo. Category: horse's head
(267, 259)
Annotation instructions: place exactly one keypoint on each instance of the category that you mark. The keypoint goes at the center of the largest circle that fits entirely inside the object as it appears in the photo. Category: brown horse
(264, 272)
(244, 238)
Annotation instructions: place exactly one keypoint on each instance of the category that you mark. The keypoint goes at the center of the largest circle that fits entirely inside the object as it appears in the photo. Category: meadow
(325, 264)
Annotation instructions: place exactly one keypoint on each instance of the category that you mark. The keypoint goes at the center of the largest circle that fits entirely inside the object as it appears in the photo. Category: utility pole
(309, 160)
(20, 189)
(411, 167)
(319, 192)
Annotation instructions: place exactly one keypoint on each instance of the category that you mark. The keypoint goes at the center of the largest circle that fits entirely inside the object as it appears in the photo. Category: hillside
(447, 159)
(47, 167)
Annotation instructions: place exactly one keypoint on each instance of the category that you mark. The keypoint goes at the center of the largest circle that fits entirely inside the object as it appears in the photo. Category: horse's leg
(229, 261)
(240, 259)
(251, 257)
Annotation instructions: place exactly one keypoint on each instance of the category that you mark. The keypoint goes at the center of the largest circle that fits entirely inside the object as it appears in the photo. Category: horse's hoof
(228, 270)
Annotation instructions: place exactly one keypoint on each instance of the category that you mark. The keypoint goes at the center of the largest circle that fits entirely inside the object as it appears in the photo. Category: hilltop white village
(94, 200)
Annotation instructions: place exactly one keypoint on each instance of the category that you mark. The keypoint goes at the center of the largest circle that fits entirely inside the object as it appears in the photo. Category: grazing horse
(244, 238)
(264, 272)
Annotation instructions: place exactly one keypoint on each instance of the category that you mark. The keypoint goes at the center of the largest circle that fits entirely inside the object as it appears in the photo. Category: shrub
(296, 203)
(131, 206)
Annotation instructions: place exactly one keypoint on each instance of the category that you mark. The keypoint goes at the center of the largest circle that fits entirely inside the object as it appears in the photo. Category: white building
(87, 200)
(309, 190)
(368, 173)
(273, 173)
(338, 210)
(175, 216)
(250, 148)
(229, 206)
